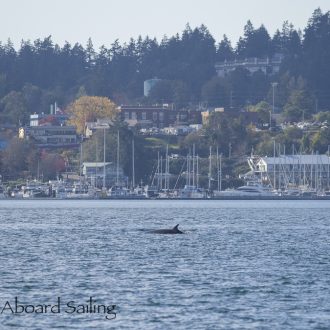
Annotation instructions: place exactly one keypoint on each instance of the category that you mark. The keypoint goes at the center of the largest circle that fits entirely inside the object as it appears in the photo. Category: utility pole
(274, 84)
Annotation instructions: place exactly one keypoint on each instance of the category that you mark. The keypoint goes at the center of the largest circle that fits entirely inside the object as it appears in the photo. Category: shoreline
(277, 198)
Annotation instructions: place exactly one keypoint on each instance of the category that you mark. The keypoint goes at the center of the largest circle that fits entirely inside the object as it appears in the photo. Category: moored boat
(250, 189)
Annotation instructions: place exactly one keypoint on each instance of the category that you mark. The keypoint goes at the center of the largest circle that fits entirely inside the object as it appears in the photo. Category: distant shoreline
(227, 198)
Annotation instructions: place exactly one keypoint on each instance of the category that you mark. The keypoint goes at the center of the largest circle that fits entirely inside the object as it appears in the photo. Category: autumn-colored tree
(51, 165)
(89, 109)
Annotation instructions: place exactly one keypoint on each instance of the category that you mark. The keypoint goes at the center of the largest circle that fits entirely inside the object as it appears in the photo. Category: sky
(104, 21)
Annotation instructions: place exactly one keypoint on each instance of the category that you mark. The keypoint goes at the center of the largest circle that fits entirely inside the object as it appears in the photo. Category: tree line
(41, 72)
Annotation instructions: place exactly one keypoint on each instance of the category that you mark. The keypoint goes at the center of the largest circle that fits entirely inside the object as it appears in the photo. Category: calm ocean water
(240, 265)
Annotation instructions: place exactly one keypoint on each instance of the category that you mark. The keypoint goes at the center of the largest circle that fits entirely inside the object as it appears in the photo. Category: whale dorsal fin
(176, 227)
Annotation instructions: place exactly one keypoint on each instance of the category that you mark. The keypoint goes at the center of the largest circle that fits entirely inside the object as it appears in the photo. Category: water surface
(240, 264)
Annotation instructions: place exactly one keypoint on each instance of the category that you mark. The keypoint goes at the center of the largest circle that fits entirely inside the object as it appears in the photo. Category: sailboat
(191, 190)
(2, 192)
(121, 191)
(118, 190)
(152, 189)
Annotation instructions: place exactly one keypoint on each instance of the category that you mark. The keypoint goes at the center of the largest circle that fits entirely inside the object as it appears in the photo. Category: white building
(94, 173)
(149, 84)
(294, 170)
(268, 66)
(99, 124)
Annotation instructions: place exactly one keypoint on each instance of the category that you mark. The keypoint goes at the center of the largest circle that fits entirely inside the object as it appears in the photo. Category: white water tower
(149, 84)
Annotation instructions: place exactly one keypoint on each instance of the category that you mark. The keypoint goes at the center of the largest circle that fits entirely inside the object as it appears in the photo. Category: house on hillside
(268, 66)
(48, 136)
(50, 130)
(158, 116)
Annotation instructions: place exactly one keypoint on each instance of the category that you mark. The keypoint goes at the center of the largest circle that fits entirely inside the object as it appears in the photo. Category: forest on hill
(41, 72)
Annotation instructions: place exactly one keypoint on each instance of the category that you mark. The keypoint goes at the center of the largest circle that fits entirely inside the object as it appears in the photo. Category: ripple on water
(240, 265)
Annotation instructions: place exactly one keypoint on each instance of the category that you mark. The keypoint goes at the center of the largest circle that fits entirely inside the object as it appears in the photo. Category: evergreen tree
(316, 56)
(186, 61)
(255, 43)
(225, 51)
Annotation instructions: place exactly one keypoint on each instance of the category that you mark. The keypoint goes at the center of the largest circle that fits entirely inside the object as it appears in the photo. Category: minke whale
(174, 230)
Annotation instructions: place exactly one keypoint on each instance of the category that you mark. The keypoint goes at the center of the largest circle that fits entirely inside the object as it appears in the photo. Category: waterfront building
(94, 173)
(312, 171)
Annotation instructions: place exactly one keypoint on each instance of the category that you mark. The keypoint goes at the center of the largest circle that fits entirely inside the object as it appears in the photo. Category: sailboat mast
(220, 187)
(158, 166)
(117, 177)
(218, 168)
(274, 168)
(166, 169)
(103, 158)
(187, 176)
(197, 170)
(133, 164)
(328, 167)
(161, 172)
(189, 168)
(210, 167)
(193, 166)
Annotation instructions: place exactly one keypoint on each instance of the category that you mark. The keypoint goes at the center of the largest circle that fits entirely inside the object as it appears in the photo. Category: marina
(281, 177)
